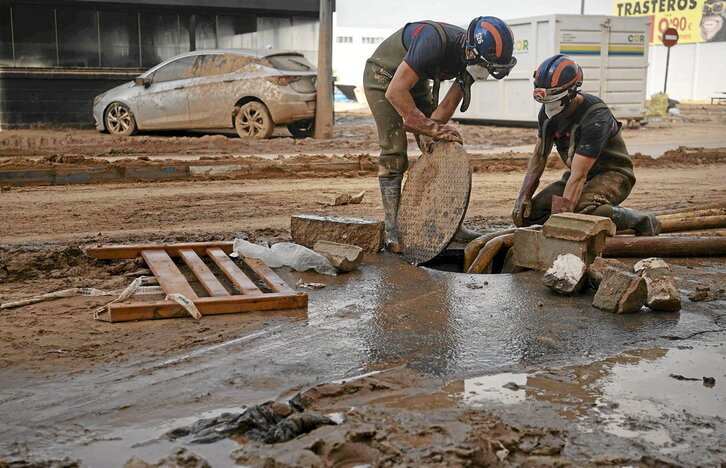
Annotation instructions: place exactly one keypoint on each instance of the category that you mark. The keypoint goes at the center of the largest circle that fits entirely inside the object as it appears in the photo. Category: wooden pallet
(160, 259)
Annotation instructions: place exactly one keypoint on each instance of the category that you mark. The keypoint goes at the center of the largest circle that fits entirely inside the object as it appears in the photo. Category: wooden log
(111, 252)
(122, 312)
(270, 278)
(657, 246)
(489, 251)
(167, 273)
(205, 276)
(472, 248)
(694, 214)
(229, 268)
(702, 206)
(688, 224)
(693, 224)
(705, 233)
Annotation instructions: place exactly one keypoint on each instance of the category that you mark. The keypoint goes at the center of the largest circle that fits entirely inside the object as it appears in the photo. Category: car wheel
(302, 128)
(253, 120)
(120, 120)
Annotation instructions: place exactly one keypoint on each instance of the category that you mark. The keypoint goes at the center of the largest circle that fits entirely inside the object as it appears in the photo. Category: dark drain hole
(452, 260)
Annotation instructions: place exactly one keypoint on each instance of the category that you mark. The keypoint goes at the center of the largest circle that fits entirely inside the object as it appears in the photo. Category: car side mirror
(142, 81)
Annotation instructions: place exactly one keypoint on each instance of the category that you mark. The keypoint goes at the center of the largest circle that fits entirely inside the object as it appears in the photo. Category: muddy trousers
(599, 195)
(393, 160)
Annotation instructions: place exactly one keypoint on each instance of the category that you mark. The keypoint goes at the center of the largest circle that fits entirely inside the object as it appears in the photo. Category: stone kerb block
(364, 233)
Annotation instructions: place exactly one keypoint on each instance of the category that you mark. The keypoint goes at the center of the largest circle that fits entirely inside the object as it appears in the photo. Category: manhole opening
(452, 260)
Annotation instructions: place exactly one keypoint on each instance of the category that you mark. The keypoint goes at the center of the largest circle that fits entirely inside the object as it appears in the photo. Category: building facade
(56, 55)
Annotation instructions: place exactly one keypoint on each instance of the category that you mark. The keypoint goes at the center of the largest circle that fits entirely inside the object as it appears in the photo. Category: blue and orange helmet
(556, 78)
(492, 42)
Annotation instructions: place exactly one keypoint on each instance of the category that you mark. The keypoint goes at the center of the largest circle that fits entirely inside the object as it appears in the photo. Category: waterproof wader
(608, 184)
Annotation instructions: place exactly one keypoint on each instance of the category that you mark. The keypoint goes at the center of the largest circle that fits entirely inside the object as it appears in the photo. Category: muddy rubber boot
(644, 224)
(465, 235)
(391, 195)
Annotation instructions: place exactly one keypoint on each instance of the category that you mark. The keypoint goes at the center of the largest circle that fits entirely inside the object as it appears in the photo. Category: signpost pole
(669, 39)
(668, 60)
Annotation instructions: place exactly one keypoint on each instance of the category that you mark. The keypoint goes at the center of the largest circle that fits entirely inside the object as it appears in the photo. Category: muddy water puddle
(649, 395)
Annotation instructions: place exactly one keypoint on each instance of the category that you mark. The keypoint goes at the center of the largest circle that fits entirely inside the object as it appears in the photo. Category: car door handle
(179, 87)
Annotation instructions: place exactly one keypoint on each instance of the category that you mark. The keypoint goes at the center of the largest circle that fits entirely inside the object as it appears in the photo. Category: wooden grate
(160, 260)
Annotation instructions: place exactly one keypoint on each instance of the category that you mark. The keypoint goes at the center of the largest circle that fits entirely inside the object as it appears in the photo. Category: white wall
(349, 58)
(696, 72)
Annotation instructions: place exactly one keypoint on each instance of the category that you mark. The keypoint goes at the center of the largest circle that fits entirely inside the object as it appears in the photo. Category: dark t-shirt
(426, 52)
(594, 133)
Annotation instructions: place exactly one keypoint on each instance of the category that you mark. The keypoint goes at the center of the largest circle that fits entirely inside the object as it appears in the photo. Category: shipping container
(612, 51)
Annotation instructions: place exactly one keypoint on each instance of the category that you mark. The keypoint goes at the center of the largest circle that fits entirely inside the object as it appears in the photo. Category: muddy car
(250, 91)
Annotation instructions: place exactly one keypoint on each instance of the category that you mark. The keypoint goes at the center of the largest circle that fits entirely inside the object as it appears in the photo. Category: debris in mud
(345, 199)
(599, 268)
(566, 276)
(681, 377)
(302, 284)
(344, 257)
(709, 382)
(704, 293)
(64, 463)
(662, 290)
(269, 422)
(621, 292)
(180, 457)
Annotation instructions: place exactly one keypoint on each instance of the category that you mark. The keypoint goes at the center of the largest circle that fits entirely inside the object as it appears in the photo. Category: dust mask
(554, 108)
(477, 72)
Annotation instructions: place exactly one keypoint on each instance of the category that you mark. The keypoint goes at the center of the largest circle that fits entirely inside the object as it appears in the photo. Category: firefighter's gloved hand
(522, 210)
(416, 122)
(425, 143)
(562, 205)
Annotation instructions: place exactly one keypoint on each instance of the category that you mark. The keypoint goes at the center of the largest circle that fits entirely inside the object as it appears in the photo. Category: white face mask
(477, 72)
(554, 108)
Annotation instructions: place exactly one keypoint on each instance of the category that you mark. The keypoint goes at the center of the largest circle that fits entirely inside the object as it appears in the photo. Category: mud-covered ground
(476, 372)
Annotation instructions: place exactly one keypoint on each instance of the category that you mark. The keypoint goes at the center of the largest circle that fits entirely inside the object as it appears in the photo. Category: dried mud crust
(401, 418)
(352, 133)
(62, 332)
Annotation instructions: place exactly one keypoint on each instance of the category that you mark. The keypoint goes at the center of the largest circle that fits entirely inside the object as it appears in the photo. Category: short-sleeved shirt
(425, 51)
(594, 132)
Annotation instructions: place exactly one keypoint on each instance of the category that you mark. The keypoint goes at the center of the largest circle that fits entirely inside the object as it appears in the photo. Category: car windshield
(290, 63)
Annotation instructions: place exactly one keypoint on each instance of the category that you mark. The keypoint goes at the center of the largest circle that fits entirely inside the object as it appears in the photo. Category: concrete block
(567, 275)
(344, 257)
(577, 227)
(663, 293)
(621, 292)
(600, 266)
(532, 249)
(365, 233)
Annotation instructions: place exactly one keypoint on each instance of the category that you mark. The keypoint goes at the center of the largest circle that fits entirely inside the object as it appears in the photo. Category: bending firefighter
(396, 81)
(589, 141)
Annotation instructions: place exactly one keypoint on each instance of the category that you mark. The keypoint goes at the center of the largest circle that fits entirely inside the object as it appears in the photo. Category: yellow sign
(683, 15)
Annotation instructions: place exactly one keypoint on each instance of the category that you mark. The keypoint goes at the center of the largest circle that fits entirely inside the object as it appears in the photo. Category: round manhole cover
(433, 202)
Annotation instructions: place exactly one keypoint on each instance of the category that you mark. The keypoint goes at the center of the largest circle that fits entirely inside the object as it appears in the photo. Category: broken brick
(600, 266)
(344, 257)
(621, 292)
(567, 275)
(663, 293)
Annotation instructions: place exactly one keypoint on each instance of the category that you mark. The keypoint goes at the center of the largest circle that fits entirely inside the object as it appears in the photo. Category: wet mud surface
(440, 346)
(414, 366)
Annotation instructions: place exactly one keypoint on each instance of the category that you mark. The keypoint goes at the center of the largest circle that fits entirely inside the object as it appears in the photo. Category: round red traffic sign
(670, 37)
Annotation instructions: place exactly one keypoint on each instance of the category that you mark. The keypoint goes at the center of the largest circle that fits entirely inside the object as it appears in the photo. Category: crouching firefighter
(396, 82)
(589, 141)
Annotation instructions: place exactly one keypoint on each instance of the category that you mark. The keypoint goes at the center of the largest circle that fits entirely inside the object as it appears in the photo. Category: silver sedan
(250, 91)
